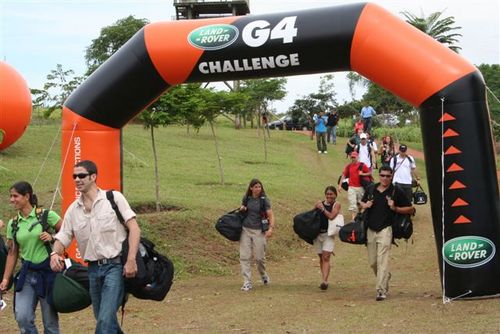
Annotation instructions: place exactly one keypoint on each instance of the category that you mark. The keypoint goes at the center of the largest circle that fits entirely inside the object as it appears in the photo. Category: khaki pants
(379, 245)
(354, 196)
(252, 241)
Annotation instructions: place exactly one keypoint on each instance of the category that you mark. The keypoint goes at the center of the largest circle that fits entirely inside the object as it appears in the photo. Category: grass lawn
(205, 297)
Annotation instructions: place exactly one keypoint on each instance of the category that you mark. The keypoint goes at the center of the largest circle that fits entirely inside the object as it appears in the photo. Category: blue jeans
(106, 292)
(25, 305)
(321, 141)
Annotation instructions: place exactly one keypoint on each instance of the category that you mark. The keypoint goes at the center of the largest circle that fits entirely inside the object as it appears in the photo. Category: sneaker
(323, 286)
(325, 152)
(247, 286)
(381, 296)
(320, 152)
(265, 280)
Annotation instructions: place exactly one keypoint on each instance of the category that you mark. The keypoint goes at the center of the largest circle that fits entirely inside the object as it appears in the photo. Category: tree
(110, 40)
(261, 92)
(441, 29)
(60, 84)
(491, 75)
(158, 113)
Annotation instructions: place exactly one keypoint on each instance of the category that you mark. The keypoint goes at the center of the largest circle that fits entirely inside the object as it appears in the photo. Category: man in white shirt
(366, 152)
(100, 234)
(404, 170)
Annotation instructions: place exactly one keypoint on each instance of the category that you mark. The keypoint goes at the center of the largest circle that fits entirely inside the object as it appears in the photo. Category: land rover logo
(468, 251)
(213, 37)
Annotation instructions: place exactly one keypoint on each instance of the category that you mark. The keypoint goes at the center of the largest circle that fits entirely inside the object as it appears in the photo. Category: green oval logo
(468, 251)
(213, 37)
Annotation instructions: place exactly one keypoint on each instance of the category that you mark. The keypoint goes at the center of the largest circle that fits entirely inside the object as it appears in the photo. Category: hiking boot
(247, 286)
(381, 296)
(323, 286)
(266, 280)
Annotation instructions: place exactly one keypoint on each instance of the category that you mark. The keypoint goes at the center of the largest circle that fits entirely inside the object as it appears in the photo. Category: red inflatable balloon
(15, 105)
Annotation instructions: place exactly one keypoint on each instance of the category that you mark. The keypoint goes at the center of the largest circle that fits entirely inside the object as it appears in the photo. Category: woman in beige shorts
(324, 245)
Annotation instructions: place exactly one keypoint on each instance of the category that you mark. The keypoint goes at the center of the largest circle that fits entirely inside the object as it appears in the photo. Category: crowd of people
(392, 194)
(91, 220)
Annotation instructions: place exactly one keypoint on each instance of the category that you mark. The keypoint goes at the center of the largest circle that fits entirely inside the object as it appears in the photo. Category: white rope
(493, 94)
(449, 300)
(62, 167)
(443, 264)
(135, 157)
(47, 156)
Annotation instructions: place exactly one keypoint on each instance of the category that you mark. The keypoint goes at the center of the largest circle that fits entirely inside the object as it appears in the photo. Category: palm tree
(439, 29)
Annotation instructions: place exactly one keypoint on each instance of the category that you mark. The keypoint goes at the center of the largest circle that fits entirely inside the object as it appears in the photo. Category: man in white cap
(404, 168)
(366, 152)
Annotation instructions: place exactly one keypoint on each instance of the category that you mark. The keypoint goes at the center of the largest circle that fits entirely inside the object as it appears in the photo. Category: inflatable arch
(448, 90)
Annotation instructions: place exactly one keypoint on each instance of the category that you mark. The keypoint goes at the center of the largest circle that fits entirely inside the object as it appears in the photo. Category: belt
(101, 262)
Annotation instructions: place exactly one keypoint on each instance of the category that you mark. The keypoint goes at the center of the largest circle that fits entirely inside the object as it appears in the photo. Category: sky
(35, 35)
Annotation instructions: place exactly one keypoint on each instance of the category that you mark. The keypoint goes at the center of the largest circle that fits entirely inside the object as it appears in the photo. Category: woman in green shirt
(27, 238)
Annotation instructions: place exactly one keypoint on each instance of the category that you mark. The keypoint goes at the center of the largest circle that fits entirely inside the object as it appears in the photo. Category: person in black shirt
(331, 126)
(382, 201)
(324, 245)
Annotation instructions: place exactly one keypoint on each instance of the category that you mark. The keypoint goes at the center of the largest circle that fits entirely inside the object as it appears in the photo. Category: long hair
(23, 188)
(251, 184)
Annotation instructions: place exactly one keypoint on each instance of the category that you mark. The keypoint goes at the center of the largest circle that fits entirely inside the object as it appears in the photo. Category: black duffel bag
(230, 225)
(354, 232)
(419, 196)
(307, 225)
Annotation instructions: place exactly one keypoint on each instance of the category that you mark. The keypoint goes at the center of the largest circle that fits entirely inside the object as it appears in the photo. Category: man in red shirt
(353, 172)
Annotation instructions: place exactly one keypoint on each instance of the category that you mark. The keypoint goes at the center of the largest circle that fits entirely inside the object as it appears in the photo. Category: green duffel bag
(68, 295)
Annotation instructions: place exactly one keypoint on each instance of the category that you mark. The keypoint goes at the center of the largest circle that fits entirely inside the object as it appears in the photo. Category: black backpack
(4, 251)
(158, 269)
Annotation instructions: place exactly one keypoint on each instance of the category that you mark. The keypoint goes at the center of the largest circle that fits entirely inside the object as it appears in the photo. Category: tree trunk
(157, 176)
(265, 145)
(221, 169)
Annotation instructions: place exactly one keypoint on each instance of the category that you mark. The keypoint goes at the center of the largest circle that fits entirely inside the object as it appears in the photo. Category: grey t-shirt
(253, 219)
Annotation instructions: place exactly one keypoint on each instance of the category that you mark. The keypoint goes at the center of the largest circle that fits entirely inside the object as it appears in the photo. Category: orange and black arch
(448, 90)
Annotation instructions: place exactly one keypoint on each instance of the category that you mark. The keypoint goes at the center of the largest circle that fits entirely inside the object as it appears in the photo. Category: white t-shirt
(364, 155)
(402, 171)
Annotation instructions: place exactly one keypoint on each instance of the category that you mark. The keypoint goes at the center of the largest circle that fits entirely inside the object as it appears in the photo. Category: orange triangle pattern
(446, 117)
(450, 133)
(454, 168)
(462, 220)
(459, 202)
(457, 185)
(452, 150)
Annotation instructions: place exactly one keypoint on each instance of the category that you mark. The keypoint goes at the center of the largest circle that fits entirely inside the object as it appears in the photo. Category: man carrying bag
(381, 202)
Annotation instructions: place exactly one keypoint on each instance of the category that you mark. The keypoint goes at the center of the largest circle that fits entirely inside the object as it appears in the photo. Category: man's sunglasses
(80, 175)
(385, 175)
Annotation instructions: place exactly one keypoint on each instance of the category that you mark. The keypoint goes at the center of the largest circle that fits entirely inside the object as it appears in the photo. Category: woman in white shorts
(329, 208)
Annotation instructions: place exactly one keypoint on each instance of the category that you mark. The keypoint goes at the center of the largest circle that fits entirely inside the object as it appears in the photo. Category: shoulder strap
(111, 199)
(263, 212)
(43, 216)
(15, 228)
(410, 158)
